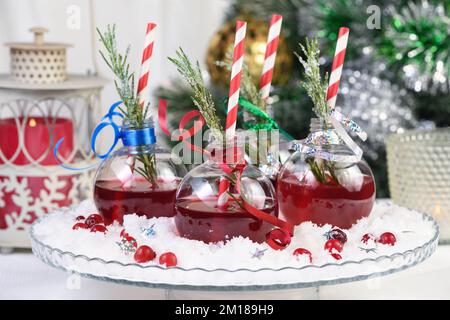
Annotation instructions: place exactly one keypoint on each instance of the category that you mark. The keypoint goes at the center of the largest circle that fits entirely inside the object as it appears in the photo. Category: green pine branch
(125, 79)
(201, 97)
(315, 87)
(134, 114)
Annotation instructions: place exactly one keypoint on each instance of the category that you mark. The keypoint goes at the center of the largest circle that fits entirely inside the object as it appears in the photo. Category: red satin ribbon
(184, 134)
(162, 116)
(280, 237)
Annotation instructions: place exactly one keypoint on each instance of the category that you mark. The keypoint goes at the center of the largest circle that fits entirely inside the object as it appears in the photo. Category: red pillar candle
(40, 135)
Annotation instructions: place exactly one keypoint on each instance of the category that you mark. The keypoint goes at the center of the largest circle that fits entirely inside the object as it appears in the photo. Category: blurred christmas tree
(396, 74)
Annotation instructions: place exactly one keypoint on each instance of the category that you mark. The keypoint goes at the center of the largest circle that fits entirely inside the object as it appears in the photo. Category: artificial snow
(409, 227)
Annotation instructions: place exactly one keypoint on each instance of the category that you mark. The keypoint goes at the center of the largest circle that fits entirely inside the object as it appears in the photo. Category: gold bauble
(221, 45)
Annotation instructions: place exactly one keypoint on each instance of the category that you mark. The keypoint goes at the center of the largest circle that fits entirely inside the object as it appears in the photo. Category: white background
(185, 23)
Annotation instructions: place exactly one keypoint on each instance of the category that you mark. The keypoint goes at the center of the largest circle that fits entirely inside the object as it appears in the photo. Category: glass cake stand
(238, 280)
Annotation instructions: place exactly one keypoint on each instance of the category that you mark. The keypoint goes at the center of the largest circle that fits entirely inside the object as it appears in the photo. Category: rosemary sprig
(315, 87)
(119, 65)
(232, 196)
(249, 90)
(134, 114)
(323, 170)
(202, 97)
(316, 170)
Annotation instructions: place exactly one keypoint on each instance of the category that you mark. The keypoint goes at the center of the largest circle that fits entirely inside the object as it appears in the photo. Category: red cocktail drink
(114, 201)
(203, 220)
(325, 203)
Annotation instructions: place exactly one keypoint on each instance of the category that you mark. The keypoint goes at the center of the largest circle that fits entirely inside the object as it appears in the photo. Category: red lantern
(24, 141)
(40, 104)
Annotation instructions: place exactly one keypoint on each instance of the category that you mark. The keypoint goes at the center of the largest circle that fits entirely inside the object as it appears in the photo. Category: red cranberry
(144, 254)
(300, 251)
(336, 256)
(98, 228)
(79, 225)
(169, 259)
(94, 219)
(387, 238)
(337, 234)
(333, 245)
(123, 233)
(80, 218)
(278, 239)
(367, 237)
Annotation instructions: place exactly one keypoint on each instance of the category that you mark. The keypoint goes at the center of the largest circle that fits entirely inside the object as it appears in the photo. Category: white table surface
(22, 276)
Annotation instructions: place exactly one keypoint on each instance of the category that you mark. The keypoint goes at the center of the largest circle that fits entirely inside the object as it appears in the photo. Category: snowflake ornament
(127, 245)
(149, 232)
(258, 253)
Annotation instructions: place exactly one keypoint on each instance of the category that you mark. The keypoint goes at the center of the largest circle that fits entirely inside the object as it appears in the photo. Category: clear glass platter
(238, 279)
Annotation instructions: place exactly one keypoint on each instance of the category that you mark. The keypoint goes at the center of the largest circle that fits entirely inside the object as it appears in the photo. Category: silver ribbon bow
(340, 123)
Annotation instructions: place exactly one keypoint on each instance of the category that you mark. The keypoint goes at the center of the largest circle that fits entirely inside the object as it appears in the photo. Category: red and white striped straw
(233, 101)
(235, 83)
(336, 68)
(270, 55)
(222, 199)
(142, 89)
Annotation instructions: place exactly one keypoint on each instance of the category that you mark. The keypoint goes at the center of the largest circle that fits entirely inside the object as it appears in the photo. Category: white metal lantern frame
(77, 99)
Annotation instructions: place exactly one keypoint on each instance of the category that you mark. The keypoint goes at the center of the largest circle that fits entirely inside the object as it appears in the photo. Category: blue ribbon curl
(129, 137)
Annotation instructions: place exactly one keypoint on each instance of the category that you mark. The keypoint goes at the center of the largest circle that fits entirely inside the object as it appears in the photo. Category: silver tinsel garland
(421, 44)
(377, 105)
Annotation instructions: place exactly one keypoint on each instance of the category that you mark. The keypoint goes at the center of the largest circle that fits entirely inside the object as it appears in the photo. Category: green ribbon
(269, 124)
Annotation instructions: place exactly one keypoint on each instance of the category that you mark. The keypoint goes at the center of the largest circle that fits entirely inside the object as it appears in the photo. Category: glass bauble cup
(200, 216)
(324, 183)
(138, 178)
